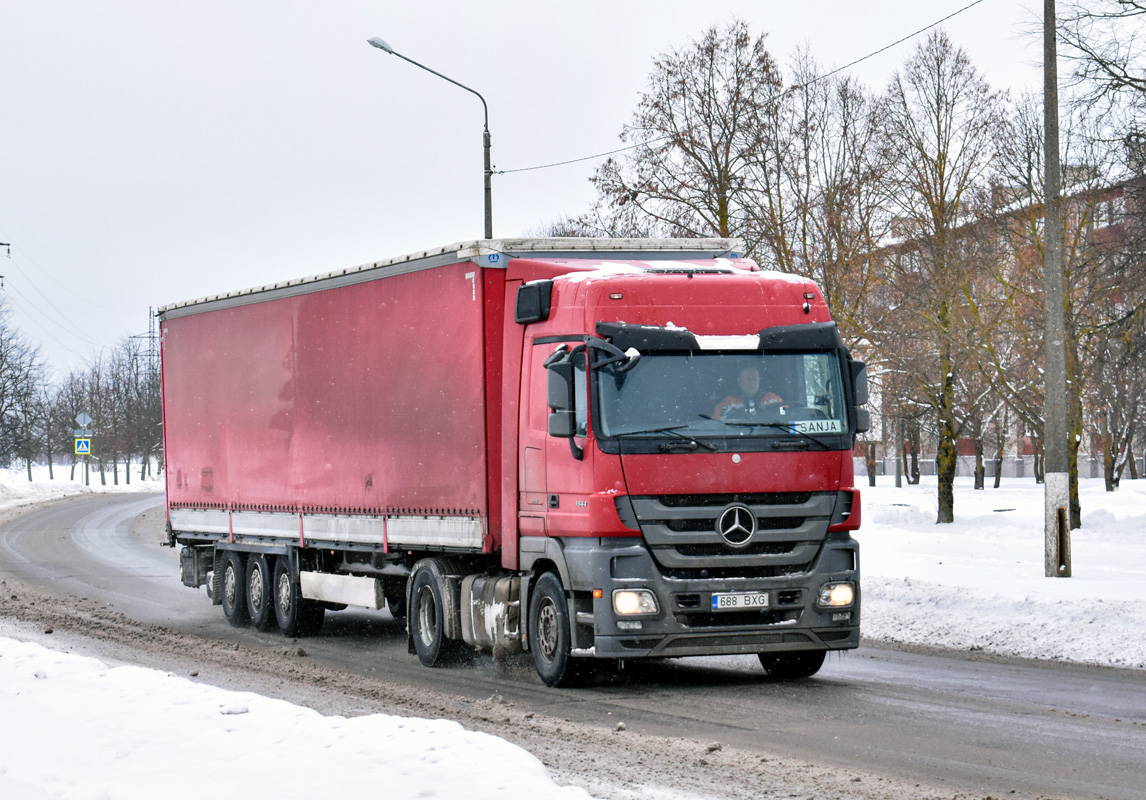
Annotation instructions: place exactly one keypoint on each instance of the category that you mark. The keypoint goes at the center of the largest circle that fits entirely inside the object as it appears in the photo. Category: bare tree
(703, 124)
(941, 123)
(1104, 40)
(21, 373)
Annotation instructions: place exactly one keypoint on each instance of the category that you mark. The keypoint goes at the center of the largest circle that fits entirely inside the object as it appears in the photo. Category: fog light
(837, 595)
(629, 625)
(628, 602)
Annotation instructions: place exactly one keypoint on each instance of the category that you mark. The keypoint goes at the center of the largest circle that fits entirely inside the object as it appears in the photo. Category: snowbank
(978, 584)
(75, 728)
(17, 491)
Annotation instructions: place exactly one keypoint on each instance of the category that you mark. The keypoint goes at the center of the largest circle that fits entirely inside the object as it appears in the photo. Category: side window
(581, 394)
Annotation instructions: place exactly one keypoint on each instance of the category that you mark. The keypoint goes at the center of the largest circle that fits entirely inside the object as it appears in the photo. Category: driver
(749, 400)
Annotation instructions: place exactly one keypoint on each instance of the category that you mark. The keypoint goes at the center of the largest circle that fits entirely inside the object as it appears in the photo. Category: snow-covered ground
(74, 727)
(978, 584)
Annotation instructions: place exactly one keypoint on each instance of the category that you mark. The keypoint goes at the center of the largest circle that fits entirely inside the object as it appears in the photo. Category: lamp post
(382, 45)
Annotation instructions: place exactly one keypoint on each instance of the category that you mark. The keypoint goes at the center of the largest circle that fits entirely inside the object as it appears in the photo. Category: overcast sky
(152, 152)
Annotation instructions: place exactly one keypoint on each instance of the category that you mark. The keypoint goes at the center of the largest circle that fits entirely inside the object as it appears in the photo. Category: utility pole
(1055, 445)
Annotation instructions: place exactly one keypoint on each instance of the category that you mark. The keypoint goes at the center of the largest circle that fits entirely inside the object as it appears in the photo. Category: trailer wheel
(234, 590)
(793, 666)
(550, 636)
(260, 592)
(295, 615)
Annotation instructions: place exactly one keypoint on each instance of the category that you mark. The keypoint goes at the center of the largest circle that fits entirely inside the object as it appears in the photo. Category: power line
(772, 99)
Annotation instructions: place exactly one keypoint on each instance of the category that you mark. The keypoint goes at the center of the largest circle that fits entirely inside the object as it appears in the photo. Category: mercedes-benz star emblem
(736, 525)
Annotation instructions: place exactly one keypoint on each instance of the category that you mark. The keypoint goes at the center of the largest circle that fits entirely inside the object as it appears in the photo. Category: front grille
(733, 619)
(682, 532)
(722, 500)
(764, 548)
(726, 573)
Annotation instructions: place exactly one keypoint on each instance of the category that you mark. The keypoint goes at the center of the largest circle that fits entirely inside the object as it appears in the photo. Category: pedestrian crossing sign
(83, 447)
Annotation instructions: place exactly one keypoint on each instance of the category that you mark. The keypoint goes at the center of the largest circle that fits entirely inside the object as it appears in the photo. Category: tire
(793, 666)
(295, 615)
(427, 620)
(234, 592)
(550, 636)
(396, 605)
(260, 593)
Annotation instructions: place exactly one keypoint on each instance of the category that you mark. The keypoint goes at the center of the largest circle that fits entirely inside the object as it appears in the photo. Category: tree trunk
(1108, 463)
(946, 456)
(913, 444)
(1000, 448)
(980, 470)
(869, 460)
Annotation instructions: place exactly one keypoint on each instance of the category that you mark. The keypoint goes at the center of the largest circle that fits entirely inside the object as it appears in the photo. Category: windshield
(714, 395)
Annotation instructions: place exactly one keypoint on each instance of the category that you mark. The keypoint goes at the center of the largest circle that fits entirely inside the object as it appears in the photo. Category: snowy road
(892, 719)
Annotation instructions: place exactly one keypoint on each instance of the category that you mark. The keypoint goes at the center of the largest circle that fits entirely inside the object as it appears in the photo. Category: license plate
(739, 601)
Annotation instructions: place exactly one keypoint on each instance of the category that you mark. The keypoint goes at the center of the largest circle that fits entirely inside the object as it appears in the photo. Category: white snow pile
(16, 491)
(978, 583)
(75, 728)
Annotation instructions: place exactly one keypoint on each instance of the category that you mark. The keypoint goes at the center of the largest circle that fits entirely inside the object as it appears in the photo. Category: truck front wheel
(550, 637)
(792, 666)
(234, 593)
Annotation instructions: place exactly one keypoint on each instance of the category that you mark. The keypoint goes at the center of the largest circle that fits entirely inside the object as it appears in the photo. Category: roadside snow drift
(75, 728)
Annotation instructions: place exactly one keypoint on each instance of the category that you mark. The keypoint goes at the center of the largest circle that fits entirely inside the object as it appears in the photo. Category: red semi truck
(588, 449)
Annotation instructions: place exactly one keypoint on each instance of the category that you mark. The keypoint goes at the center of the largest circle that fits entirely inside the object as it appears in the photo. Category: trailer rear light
(837, 595)
(634, 602)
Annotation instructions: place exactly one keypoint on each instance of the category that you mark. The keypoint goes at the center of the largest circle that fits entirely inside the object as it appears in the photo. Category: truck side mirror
(561, 391)
(859, 381)
(863, 420)
(560, 388)
(563, 424)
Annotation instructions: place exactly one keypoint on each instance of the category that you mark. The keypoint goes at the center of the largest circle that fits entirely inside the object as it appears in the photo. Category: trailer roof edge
(485, 252)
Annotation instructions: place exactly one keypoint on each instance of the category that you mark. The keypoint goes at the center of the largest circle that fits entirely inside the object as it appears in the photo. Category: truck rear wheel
(234, 595)
(550, 636)
(792, 666)
(427, 620)
(295, 615)
(260, 592)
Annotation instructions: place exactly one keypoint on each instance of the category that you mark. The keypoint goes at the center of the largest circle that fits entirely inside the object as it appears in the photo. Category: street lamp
(382, 45)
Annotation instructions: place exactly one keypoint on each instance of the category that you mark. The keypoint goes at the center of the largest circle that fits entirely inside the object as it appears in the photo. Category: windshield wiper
(787, 427)
(688, 442)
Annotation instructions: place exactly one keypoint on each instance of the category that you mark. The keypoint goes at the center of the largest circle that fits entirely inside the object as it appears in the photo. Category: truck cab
(685, 465)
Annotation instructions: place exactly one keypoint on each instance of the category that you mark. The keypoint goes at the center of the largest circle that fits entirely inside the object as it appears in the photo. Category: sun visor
(647, 338)
(811, 336)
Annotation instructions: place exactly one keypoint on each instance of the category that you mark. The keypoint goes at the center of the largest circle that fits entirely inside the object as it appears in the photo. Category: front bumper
(686, 625)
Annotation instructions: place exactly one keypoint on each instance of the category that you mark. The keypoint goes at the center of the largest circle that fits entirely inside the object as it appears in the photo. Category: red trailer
(532, 444)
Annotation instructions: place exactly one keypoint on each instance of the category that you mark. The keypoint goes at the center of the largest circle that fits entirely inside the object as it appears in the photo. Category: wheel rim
(256, 590)
(284, 588)
(427, 616)
(230, 586)
(547, 631)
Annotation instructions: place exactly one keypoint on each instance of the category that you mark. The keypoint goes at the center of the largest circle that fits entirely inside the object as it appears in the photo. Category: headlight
(629, 602)
(837, 595)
